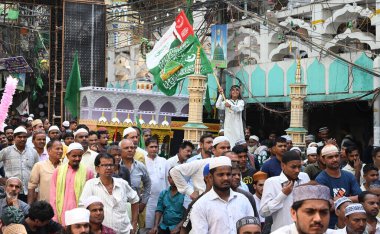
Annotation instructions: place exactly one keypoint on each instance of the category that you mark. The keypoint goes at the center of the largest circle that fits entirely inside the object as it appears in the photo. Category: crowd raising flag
(72, 88)
(173, 57)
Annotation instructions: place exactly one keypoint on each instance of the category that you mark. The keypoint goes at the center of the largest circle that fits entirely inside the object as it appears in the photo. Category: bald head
(128, 149)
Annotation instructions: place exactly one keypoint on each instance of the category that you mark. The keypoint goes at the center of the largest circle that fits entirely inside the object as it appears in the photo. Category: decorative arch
(362, 80)
(168, 107)
(244, 77)
(103, 102)
(291, 76)
(185, 109)
(338, 77)
(316, 78)
(147, 106)
(258, 82)
(276, 81)
(125, 104)
(84, 102)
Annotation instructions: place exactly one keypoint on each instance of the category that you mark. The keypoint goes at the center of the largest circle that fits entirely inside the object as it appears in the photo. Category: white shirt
(211, 214)
(115, 205)
(138, 149)
(352, 171)
(173, 161)
(233, 123)
(258, 202)
(275, 203)
(88, 159)
(292, 229)
(158, 173)
(194, 170)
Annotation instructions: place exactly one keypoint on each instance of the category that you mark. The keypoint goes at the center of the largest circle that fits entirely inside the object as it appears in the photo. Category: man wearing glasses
(114, 193)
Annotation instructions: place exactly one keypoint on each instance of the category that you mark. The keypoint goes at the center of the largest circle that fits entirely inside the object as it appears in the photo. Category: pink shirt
(70, 199)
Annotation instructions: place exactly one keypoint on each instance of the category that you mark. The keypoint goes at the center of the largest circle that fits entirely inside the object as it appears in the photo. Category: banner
(219, 38)
(173, 57)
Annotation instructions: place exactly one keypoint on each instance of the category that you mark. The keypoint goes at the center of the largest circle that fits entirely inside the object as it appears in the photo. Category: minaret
(297, 96)
(197, 86)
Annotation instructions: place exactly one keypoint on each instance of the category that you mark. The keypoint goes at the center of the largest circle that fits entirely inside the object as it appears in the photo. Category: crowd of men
(70, 179)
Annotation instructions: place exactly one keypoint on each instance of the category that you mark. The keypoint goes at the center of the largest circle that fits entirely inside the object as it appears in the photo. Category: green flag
(189, 11)
(141, 140)
(72, 88)
(173, 57)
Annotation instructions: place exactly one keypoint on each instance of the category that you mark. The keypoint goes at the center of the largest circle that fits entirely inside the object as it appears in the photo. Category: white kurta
(233, 122)
(158, 174)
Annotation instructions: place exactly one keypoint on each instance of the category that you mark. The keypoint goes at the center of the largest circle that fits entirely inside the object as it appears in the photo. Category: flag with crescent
(173, 56)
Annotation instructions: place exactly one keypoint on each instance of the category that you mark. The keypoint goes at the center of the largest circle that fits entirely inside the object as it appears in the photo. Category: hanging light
(102, 118)
(128, 120)
(115, 119)
(165, 122)
(152, 122)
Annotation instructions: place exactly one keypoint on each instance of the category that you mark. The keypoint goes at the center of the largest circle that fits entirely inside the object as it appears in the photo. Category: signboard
(219, 45)
(16, 65)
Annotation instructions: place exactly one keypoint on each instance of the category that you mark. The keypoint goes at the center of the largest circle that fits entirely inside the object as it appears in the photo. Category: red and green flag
(173, 57)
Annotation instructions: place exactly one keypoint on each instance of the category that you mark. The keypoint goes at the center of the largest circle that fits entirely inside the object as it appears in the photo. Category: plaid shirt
(19, 164)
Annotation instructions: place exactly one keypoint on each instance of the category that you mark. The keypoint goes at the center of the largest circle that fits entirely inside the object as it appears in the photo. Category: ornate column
(297, 96)
(197, 86)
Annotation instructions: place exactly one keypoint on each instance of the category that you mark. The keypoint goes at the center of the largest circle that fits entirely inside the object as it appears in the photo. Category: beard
(11, 195)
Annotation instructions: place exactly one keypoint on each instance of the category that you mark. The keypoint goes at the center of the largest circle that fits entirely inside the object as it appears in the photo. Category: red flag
(183, 26)
(115, 135)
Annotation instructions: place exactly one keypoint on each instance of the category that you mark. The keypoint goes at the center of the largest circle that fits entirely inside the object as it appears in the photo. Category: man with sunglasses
(277, 195)
(114, 193)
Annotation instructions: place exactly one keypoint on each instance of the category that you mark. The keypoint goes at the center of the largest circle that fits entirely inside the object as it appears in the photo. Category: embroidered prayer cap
(77, 215)
(309, 138)
(13, 178)
(287, 137)
(254, 137)
(20, 129)
(329, 149)
(221, 130)
(128, 130)
(311, 150)
(246, 221)
(219, 139)
(260, 176)
(323, 129)
(74, 146)
(295, 148)
(311, 191)
(29, 119)
(53, 127)
(66, 124)
(11, 214)
(31, 115)
(36, 122)
(81, 130)
(15, 229)
(340, 201)
(220, 162)
(206, 170)
(241, 142)
(354, 208)
(91, 200)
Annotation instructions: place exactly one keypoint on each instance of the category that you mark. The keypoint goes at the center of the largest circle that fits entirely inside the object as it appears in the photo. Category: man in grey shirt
(18, 160)
(13, 187)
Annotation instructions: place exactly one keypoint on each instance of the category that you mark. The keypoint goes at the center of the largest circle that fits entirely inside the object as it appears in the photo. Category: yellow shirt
(139, 157)
(40, 178)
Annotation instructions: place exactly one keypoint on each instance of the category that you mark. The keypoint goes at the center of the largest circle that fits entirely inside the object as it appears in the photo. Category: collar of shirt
(15, 148)
(99, 182)
(283, 178)
(213, 195)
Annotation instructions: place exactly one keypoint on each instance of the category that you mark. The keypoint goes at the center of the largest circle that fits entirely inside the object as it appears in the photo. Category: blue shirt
(272, 167)
(171, 208)
(345, 185)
